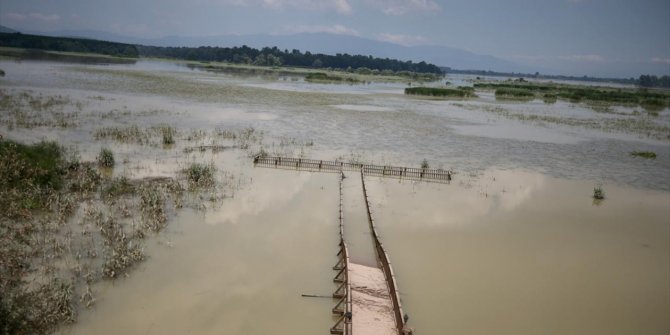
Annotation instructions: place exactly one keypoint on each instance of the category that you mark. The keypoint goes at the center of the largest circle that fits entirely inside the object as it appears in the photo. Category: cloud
(44, 17)
(337, 29)
(402, 7)
(402, 39)
(17, 17)
(593, 58)
(658, 60)
(340, 6)
(14, 16)
(582, 58)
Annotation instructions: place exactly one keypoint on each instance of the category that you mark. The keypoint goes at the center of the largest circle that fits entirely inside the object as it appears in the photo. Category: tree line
(276, 57)
(654, 81)
(66, 44)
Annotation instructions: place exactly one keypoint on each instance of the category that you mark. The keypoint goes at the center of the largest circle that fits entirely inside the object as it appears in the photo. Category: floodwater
(513, 245)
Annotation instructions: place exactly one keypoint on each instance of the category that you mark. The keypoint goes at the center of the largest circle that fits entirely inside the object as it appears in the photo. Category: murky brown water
(522, 253)
(515, 245)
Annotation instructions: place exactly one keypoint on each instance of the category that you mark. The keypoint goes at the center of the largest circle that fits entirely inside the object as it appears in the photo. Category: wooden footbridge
(368, 300)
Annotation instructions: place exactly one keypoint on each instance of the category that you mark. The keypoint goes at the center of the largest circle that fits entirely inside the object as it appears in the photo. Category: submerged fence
(438, 175)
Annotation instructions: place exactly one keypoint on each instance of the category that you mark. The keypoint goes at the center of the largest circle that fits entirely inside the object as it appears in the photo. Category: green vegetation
(119, 186)
(644, 97)
(653, 81)
(106, 158)
(28, 173)
(63, 228)
(514, 93)
(598, 193)
(643, 80)
(323, 77)
(200, 175)
(424, 164)
(81, 45)
(549, 98)
(132, 134)
(168, 134)
(461, 92)
(644, 154)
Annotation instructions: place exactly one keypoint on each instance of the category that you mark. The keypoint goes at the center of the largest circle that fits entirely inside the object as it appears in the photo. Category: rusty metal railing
(387, 269)
(432, 175)
(343, 307)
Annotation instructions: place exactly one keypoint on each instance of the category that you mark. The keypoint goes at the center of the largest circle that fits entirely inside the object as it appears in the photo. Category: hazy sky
(573, 36)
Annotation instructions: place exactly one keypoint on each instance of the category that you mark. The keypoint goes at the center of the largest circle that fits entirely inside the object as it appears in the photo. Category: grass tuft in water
(598, 193)
(168, 134)
(106, 158)
(200, 175)
(644, 154)
(119, 186)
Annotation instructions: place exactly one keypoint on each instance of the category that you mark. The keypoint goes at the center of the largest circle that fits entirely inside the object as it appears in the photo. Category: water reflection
(518, 251)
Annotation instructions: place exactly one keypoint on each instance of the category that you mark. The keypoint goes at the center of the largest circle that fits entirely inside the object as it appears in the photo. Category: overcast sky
(568, 35)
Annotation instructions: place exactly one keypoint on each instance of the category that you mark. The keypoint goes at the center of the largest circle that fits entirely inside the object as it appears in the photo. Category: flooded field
(514, 244)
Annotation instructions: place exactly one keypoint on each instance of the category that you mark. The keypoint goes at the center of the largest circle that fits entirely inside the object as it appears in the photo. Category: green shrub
(106, 158)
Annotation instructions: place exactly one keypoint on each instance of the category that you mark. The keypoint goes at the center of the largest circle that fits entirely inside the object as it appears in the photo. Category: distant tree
(260, 60)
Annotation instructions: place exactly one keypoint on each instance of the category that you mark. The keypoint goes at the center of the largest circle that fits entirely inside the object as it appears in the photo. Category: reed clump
(106, 158)
(200, 175)
(514, 93)
(324, 77)
(461, 92)
(644, 154)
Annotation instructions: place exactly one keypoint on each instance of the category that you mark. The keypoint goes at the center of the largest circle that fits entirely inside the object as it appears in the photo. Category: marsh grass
(63, 227)
(131, 134)
(514, 93)
(549, 98)
(105, 158)
(168, 133)
(136, 135)
(647, 98)
(26, 109)
(460, 92)
(119, 186)
(324, 77)
(200, 175)
(644, 154)
(598, 193)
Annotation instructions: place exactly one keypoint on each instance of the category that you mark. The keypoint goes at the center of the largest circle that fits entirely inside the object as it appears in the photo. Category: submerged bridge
(368, 300)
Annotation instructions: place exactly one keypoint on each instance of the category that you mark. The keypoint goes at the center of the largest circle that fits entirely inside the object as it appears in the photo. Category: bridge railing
(435, 175)
(343, 292)
(387, 269)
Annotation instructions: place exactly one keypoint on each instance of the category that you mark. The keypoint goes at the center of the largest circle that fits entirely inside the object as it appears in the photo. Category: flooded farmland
(514, 244)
